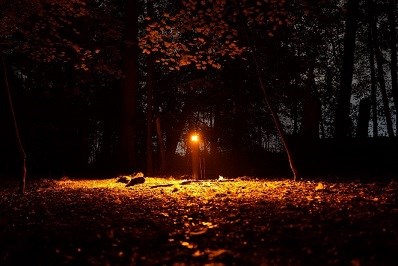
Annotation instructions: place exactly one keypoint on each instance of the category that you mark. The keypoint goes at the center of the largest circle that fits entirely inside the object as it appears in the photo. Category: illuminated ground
(241, 221)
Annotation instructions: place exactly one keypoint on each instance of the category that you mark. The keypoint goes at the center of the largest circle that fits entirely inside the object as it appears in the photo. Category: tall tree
(342, 116)
(393, 47)
(363, 118)
(150, 76)
(129, 88)
(6, 85)
(373, 94)
(380, 76)
(149, 113)
(311, 108)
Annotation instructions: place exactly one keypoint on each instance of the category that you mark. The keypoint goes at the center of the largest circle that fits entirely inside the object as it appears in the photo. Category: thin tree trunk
(149, 115)
(149, 101)
(382, 83)
(129, 88)
(342, 116)
(173, 134)
(311, 109)
(162, 148)
(373, 97)
(336, 52)
(393, 47)
(374, 101)
(329, 88)
(214, 132)
(363, 118)
(322, 127)
(267, 100)
(384, 97)
(17, 134)
(294, 111)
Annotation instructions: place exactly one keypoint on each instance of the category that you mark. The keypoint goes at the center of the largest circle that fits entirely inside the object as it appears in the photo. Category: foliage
(63, 32)
(44, 29)
(204, 33)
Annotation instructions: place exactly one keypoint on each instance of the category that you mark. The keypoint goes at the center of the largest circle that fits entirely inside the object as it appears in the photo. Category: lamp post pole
(195, 156)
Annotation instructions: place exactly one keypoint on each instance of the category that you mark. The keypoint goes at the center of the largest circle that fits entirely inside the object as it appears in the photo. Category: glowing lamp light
(195, 155)
(195, 138)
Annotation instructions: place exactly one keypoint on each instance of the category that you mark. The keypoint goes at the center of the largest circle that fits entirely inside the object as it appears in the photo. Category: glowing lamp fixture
(195, 155)
(195, 138)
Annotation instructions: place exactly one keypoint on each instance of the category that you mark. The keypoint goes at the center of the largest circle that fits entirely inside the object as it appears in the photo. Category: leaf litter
(167, 221)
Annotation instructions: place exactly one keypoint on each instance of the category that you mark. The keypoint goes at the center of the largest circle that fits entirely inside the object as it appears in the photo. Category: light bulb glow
(195, 138)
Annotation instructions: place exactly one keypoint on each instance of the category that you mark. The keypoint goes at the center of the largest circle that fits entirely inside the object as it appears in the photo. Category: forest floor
(166, 221)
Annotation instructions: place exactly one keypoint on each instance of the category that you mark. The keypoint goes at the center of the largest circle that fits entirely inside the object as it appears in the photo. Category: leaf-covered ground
(243, 221)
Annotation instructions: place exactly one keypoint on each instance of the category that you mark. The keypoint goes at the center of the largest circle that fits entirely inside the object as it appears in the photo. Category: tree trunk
(173, 134)
(382, 83)
(294, 112)
(162, 148)
(342, 116)
(214, 132)
(129, 87)
(373, 96)
(149, 101)
(311, 110)
(17, 135)
(393, 47)
(363, 118)
(149, 115)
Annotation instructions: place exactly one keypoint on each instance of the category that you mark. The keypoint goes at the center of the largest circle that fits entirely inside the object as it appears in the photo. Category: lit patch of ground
(165, 221)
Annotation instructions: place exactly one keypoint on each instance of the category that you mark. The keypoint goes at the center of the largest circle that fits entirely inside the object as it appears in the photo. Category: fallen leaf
(198, 233)
(320, 186)
(118, 201)
(198, 253)
(187, 244)
(217, 253)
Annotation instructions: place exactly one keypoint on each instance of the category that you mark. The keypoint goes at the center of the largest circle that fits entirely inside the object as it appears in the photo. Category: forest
(110, 87)
(198, 132)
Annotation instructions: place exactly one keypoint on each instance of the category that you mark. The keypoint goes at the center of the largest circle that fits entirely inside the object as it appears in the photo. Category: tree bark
(149, 101)
(380, 76)
(173, 134)
(21, 149)
(342, 116)
(363, 118)
(393, 47)
(311, 109)
(373, 96)
(162, 148)
(294, 111)
(129, 87)
(149, 115)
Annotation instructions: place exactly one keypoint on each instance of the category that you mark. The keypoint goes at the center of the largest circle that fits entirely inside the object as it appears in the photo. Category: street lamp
(195, 155)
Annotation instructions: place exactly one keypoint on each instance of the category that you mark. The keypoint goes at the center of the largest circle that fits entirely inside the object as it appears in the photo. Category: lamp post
(195, 155)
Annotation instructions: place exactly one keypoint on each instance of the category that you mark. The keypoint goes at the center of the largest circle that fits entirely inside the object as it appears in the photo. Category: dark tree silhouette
(21, 149)
(342, 117)
(373, 94)
(392, 7)
(129, 88)
(380, 76)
